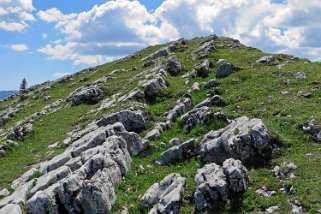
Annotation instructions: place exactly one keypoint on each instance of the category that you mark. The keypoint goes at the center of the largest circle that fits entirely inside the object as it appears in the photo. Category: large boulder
(177, 153)
(154, 86)
(245, 139)
(224, 69)
(166, 196)
(211, 188)
(132, 120)
(173, 66)
(201, 69)
(215, 184)
(90, 94)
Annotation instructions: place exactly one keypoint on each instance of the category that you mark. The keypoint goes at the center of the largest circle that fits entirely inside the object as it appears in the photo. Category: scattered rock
(265, 59)
(177, 153)
(165, 51)
(173, 66)
(286, 170)
(201, 69)
(200, 56)
(236, 175)
(200, 116)
(263, 191)
(213, 101)
(54, 145)
(195, 87)
(300, 75)
(212, 83)
(174, 142)
(303, 94)
(4, 192)
(20, 132)
(102, 80)
(166, 196)
(313, 128)
(91, 94)
(154, 86)
(244, 139)
(296, 207)
(182, 106)
(206, 47)
(211, 188)
(224, 69)
(272, 209)
(132, 120)
(153, 134)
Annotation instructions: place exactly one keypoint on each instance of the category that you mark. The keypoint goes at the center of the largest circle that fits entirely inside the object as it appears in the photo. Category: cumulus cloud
(14, 14)
(19, 47)
(120, 27)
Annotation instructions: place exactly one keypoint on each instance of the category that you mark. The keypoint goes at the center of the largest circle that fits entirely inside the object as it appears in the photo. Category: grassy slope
(253, 91)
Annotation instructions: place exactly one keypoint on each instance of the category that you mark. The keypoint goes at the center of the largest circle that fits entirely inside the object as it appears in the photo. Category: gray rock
(154, 86)
(174, 142)
(102, 80)
(313, 128)
(23, 179)
(199, 116)
(211, 188)
(177, 153)
(19, 132)
(201, 69)
(224, 69)
(212, 83)
(296, 207)
(132, 120)
(173, 66)
(153, 134)
(244, 139)
(200, 56)
(90, 94)
(236, 175)
(4, 192)
(206, 47)
(166, 196)
(263, 191)
(182, 106)
(213, 101)
(165, 51)
(64, 79)
(195, 87)
(304, 94)
(300, 75)
(11, 209)
(272, 209)
(286, 170)
(265, 59)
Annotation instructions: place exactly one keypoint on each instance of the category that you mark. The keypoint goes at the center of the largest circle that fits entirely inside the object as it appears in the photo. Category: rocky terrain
(206, 125)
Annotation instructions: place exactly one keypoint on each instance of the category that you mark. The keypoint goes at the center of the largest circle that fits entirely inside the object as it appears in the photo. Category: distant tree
(23, 85)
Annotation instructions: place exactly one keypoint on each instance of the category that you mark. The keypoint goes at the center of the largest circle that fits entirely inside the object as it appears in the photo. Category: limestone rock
(206, 47)
(236, 175)
(263, 191)
(265, 59)
(175, 142)
(166, 196)
(11, 209)
(213, 101)
(201, 69)
(154, 86)
(244, 139)
(182, 106)
(173, 66)
(90, 94)
(177, 153)
(211, 187)
(19, 132)
(224, 69)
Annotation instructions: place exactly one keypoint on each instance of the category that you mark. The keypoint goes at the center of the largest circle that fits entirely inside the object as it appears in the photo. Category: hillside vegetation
(284, 93)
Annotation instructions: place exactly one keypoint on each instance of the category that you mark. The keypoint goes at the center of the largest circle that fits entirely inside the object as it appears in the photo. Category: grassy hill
(271, 92)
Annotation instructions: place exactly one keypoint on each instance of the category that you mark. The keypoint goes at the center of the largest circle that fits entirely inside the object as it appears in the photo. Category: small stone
(263, 191)
(300, 75)
(272, 209)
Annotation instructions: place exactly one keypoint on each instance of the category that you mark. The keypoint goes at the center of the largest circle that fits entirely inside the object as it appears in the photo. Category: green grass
(253, 91)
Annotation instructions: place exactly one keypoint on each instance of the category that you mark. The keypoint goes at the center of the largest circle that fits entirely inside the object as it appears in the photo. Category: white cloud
(59, 75)
(94, 36)
(14, 14)
(19, 47)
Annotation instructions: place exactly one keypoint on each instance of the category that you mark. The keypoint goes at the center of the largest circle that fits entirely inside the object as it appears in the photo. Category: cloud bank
(118, 28)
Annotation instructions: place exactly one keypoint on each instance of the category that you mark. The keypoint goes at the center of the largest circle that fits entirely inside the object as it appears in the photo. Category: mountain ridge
(183, 90)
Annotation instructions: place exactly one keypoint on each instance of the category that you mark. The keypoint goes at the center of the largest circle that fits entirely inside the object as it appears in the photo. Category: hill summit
(191, 126)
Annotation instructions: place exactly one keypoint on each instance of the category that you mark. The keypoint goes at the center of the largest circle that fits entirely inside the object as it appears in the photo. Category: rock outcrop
(154, 86)
(265, 59)
(245, 139)
(206, 47)
(215, 184)
(90, 94)
(201, 69)
(166, 196)
(21, 131)
(177, 153)
(173, 66)
(224, 69)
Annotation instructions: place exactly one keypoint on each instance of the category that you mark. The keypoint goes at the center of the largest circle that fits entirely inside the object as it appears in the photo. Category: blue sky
(44, 39)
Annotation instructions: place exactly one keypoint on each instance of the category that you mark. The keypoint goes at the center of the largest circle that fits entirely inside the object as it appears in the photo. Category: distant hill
(4, 94)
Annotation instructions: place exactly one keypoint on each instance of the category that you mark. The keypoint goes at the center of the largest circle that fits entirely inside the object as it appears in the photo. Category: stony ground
(182, 91)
